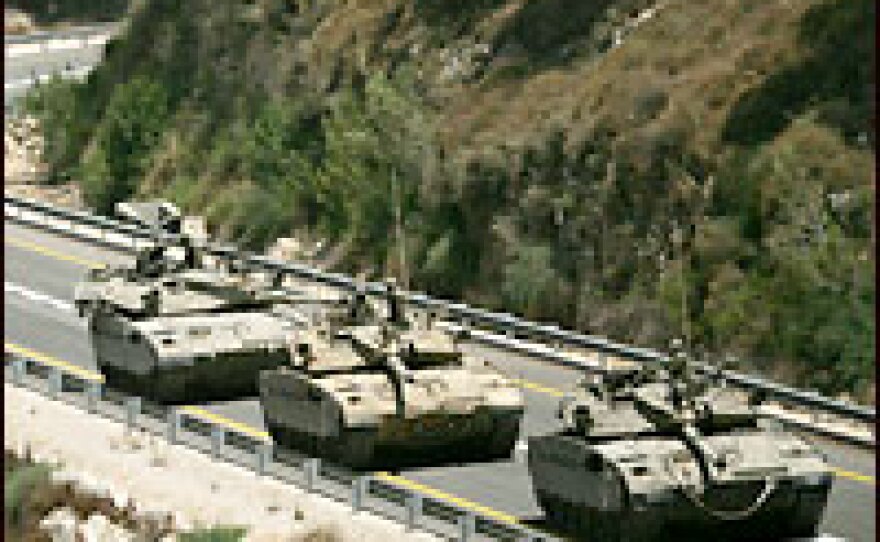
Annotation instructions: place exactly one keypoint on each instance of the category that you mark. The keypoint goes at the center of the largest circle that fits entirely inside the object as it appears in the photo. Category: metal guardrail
(506, 324)
(381, 493)
(78, 32)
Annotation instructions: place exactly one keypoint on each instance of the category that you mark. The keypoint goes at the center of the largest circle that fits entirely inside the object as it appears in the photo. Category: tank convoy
(386, 391)
(644, 453)
(661, 454)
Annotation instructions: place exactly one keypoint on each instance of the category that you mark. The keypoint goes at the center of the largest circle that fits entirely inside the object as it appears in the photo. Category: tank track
(799, 518)
(201, 383)
(358, 449)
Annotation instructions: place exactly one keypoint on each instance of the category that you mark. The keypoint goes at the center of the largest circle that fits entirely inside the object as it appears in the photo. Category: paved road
(40, 273)
(58, 54)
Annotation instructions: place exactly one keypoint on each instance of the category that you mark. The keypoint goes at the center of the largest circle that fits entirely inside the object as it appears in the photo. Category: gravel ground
(159, 478)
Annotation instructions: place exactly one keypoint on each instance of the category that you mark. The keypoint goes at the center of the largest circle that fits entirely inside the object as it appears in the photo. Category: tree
(130, 129)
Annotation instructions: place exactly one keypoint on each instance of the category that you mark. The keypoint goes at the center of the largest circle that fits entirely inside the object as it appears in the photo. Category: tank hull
(224, 378)
(590, 502)
(404, 446)
(131, 367)
(791, 513)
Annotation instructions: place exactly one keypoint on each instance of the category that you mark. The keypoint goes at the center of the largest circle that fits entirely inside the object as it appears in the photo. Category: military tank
(374, 391)
(651, 455)
(175, 328)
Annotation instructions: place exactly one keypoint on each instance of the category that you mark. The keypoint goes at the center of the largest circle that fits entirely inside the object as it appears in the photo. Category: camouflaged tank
(387, 393)
(651, 456)
(174, 329)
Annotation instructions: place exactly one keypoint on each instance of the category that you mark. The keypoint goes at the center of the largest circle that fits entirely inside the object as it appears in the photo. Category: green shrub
(214, 534)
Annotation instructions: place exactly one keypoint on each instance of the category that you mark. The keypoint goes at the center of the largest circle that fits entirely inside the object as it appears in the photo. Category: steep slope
(636, 168)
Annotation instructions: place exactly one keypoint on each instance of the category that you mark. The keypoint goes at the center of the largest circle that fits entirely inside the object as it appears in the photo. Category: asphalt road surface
(61, 54)
(41, 270)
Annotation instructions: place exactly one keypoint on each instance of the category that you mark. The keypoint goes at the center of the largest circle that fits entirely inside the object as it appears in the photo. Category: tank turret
(174, 329)
(642, 454)
(388, 393)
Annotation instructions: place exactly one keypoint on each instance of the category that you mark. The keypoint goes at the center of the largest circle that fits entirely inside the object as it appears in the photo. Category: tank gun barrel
(399, 377)
(395, 303)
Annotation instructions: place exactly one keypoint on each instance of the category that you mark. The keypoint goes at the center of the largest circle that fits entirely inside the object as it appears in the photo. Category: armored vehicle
(158, 215)
(651, 455)
(174, 329)
(375, 392)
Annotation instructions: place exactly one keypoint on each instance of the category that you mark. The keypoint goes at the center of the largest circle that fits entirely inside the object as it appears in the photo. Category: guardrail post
(93, 395)
(413, 511)
(132, 409)
(312, 468)
(19, 369)
(174, 422)
(359, 491)
(55, 382)
(264, 457)
(218, 438)
(466, 527)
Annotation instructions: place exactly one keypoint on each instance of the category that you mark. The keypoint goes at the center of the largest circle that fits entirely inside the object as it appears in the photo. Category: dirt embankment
(24, 171)
(141, 483)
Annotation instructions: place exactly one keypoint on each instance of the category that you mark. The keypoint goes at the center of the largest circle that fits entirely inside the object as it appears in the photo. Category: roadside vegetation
(637, 169)
(30, 495)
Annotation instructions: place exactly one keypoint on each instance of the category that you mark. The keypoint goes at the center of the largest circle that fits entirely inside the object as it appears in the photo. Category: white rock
(120, 500)
(61, 525)
(99, 528)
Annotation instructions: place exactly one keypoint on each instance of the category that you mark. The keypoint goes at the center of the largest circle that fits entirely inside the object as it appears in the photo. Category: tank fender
(654, 469)
(367, 415)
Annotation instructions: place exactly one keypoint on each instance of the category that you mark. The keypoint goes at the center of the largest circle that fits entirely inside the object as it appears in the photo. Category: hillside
(540, 155)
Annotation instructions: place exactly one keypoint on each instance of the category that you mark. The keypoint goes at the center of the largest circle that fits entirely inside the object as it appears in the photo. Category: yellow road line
(442, 495)
(46, 359)
(527, 384)
(864, 478)
(46, 251)
(222, 420)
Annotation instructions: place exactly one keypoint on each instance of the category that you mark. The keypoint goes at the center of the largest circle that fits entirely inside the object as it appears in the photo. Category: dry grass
(322, 534)
(25, 510)
(700, 54)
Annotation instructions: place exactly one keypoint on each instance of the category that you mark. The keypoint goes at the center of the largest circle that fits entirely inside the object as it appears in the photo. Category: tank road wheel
(800, 527)
(612, 527)
(584, 517)
(503, 438)
(280, 435)
(544, 504)
(356, 448)
(111, 377)
(806, 514)
(635, 528)
(168, 387)
(572, 517)
(553, 512)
